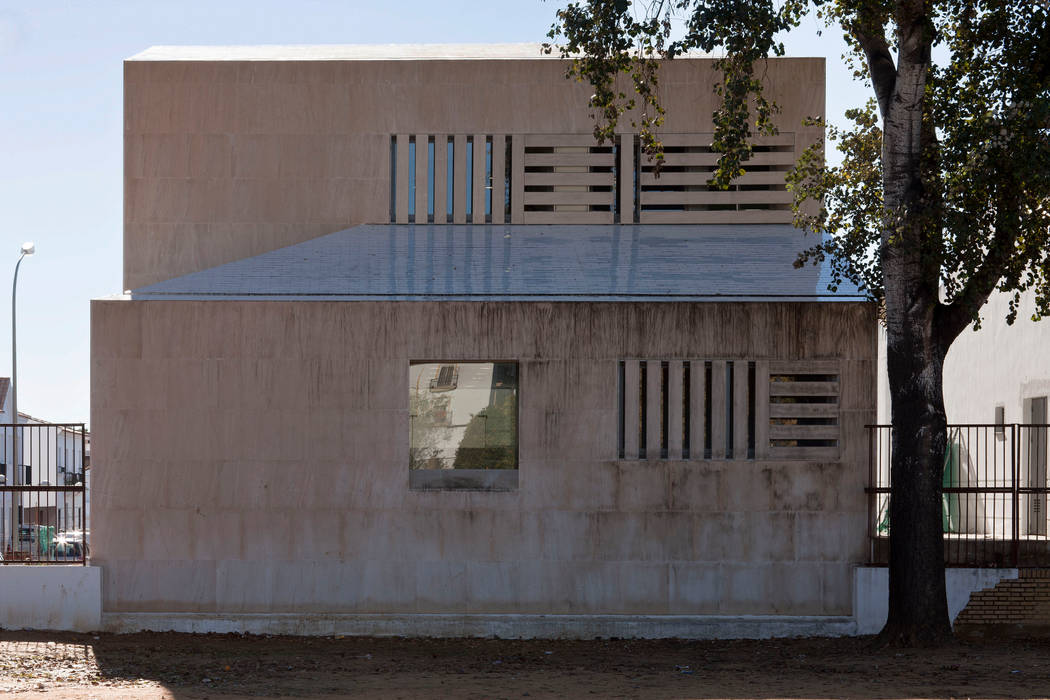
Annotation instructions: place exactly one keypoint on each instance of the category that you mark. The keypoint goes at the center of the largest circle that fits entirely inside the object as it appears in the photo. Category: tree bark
(918, 607)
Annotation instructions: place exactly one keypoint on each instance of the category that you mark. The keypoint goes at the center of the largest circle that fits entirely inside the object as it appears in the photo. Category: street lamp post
(27, 249)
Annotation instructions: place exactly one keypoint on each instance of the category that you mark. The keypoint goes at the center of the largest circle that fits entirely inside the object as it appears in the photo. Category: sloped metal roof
(521, 263)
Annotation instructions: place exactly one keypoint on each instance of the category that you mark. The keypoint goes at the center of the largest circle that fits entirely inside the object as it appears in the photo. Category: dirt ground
(149, 665)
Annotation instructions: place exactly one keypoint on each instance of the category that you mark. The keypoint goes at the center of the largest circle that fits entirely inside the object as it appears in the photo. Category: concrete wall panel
(253, 457)
(218, 153)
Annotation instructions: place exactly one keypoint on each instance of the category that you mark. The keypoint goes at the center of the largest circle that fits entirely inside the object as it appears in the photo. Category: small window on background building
(1000, 422)
(463, 416)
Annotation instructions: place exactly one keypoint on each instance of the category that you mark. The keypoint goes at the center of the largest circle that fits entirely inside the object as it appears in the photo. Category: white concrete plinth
(871, 586)
(50, 597)
(504, 626)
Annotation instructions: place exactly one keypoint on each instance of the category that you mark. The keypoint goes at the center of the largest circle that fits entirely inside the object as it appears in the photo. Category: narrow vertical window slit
(730, 398)
(412, 184)
(750, 410)
(686, 402)
(642, 413)
(707, 410)
(620, 380)
(665, 370)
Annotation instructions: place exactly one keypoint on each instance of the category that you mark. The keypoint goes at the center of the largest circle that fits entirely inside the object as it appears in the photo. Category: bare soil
(150, 665)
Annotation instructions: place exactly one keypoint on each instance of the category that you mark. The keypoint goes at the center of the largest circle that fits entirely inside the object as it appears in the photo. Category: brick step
(1018, 607)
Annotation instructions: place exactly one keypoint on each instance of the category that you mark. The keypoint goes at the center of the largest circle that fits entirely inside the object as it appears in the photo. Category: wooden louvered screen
(681, 195)
(568, 180)
(689, 409)
(804, 409)
(728, 409)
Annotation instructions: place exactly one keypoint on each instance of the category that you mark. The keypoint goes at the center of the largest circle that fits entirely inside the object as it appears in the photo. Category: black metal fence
(44, 475)
(995, 494)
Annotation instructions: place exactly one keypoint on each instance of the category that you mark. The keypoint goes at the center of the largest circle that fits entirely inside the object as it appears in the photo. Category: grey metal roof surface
(520, 263)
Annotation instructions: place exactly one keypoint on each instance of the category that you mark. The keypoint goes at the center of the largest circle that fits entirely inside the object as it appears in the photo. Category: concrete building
(1000, 375)
(403, 347)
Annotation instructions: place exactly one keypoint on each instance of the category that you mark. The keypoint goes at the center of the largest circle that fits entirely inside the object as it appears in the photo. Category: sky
(61, 138)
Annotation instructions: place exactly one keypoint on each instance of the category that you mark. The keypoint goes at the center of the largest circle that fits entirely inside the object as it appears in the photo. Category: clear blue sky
(61, 149)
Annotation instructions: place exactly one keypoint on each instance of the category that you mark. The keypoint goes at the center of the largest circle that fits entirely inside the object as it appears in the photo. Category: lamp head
(28, 248)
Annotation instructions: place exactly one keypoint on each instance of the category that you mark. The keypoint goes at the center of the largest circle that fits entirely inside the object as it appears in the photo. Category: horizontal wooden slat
(555, 140)
(569, 198)
(705, 139)
(803, 432)
(752, 216)
(804, 367)
(803, 410)
(568, 217)
(717, 197)
(583, 179)
(710, 158)
(569, 159)
(673, 140)
(815, 454)
(701, 178)
(803, 388)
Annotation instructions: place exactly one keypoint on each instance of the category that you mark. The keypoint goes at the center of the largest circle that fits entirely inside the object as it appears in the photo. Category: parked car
(69, 550)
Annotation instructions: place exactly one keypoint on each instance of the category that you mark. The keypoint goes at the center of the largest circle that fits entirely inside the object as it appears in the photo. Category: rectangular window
(463, 425)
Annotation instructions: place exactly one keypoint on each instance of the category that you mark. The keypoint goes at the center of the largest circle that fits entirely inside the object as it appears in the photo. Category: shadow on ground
(169, 665)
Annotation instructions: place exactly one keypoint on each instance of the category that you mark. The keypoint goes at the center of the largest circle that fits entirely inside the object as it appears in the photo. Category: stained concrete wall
(253, 457)
(224, 159)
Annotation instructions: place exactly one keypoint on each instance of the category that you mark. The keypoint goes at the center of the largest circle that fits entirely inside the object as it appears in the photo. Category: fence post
(1016, 459)
(83, 493)
(872, 496)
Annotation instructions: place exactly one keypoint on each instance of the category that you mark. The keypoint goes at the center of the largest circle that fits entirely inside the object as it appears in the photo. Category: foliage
(981, 191)
(490, 440)
(428, 431)
(942, 196)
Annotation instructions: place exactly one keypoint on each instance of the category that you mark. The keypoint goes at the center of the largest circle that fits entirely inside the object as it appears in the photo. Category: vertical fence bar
(1016, 495)
(874, 438)
(83, 497)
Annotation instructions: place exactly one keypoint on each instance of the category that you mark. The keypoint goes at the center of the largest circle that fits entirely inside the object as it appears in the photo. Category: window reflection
(463, 415)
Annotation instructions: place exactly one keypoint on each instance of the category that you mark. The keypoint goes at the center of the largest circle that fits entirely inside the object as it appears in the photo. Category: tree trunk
(918, 607)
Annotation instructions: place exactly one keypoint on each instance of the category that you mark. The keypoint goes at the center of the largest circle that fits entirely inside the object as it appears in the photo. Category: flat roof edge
(365, 52)
(561, 298)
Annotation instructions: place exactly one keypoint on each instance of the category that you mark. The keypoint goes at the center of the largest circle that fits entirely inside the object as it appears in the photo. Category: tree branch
(951, 319)
(880, 66)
